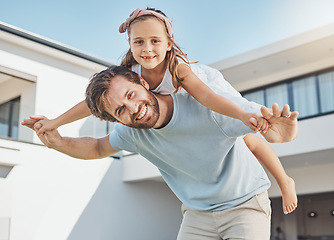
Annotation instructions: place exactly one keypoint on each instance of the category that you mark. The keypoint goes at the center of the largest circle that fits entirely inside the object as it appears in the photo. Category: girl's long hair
(172, 56)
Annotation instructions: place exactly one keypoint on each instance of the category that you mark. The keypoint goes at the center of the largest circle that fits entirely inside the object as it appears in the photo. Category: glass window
(4, 113)
(326, 89)
(9, 118)
(310, 96)
(305, 99)
(277, 94)
(257, 96)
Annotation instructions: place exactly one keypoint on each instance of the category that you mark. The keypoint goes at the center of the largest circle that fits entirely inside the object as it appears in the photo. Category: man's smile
(142, 112)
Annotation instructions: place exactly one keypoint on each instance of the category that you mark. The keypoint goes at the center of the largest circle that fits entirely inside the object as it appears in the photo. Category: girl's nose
(147, 47)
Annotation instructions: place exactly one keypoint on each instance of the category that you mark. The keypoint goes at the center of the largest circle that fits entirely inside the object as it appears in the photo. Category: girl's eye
(155, 41)
(130, 95)
(139, 42)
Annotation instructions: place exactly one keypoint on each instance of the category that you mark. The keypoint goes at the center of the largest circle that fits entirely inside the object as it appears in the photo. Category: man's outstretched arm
(284, 124)
(83, 148)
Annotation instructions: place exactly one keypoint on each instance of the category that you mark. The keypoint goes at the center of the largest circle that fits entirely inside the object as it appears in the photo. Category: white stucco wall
(129, 210)
(46, 191)
(49, 190)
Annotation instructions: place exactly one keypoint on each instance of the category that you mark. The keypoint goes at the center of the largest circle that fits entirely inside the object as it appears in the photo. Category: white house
(43, 193)
(48, 195)
(298, 71)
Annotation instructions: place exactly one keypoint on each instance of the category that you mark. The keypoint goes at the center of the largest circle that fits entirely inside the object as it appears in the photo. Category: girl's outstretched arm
(82, 148)
(215, 102)
(77, 112)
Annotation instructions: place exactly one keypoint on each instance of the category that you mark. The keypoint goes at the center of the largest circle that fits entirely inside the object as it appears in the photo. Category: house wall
(45, 194)
(309, 158)
(46, 191)
(129, 210)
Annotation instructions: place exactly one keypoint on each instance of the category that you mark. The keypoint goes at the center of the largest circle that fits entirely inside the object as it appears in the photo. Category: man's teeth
(142, 114)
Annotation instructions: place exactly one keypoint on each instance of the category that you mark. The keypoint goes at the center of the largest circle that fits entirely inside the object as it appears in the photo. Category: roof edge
(275, 47)
(51, 43)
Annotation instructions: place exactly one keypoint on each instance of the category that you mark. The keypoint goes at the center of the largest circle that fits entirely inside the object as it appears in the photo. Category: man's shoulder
(184, 99)
(183, 96)
(186, 105)
(121, 138)
(121, 129)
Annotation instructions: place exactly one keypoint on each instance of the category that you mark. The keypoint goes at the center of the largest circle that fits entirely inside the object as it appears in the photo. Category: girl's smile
(148, 58)
(149, 42)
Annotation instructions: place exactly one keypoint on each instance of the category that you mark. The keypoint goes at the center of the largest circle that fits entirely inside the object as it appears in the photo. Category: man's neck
(166, 107)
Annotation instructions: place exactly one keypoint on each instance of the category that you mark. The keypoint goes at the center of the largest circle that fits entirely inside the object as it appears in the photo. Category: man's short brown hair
(98, 87)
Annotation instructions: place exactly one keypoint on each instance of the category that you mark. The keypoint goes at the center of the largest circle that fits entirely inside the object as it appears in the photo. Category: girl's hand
(44, 126)
(29, 122)
(255, 122)
(47, 125)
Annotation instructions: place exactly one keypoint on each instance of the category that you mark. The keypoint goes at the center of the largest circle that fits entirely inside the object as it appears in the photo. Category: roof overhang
(299, 55)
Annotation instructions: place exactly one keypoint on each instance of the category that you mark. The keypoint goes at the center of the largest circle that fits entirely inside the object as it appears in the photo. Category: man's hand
(83, 147)
(284, 124)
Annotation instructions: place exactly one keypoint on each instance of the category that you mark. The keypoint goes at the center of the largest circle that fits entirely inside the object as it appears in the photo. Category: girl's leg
(269, 160)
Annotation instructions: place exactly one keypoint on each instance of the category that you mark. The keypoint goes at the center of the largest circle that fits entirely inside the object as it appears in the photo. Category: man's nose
(133, 108)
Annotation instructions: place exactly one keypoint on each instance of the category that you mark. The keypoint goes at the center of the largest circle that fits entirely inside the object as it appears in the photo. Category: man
(199, 153)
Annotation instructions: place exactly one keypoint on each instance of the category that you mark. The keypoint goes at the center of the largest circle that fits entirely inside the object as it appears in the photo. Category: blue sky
(208, 31)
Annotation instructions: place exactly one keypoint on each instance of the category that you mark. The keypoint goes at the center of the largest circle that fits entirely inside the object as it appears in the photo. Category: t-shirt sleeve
(121, 139)
(235, 127)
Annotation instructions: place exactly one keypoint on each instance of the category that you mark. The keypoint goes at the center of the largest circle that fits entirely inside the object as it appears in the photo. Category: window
(4, 171)
(310, 96)
(277, 94)
(326, 89)
(305, 99)
(257, 96)
(9, 118)
(17, 100)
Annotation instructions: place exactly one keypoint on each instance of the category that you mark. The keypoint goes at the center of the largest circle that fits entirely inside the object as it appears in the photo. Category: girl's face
(149, 42)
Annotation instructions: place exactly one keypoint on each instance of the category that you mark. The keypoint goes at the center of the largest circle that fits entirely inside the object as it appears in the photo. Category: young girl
(154, 56)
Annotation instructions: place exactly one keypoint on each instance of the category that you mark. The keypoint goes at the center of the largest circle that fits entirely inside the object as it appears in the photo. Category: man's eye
(130, 95)
(120, 110)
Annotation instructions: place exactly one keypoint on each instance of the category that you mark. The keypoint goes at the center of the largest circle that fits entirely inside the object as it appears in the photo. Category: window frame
(290, 91)
(12, 104)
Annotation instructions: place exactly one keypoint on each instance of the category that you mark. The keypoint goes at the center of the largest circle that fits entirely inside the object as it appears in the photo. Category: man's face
(132, 104)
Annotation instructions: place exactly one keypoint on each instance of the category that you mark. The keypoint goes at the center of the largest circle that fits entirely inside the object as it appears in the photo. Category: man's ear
(144, 83)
